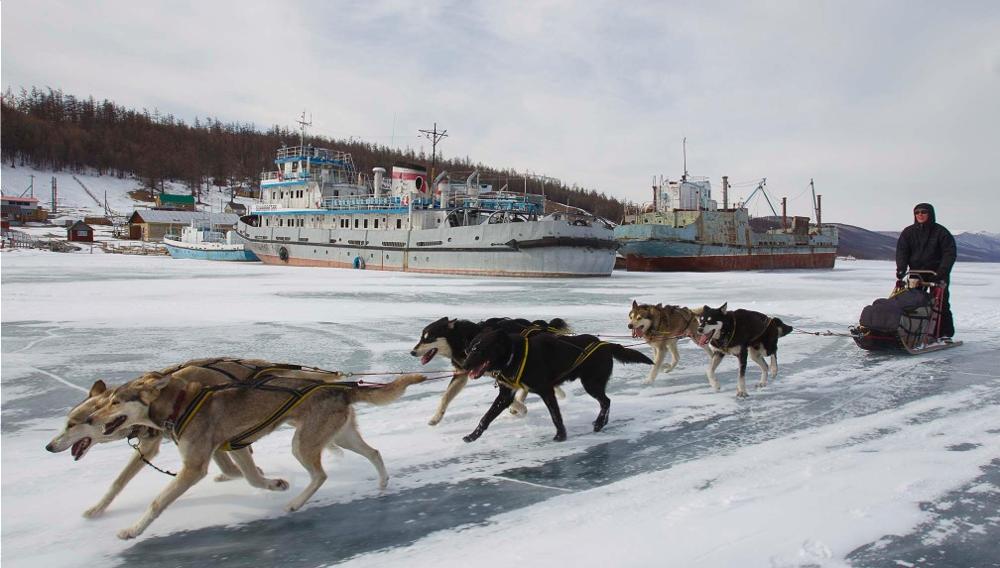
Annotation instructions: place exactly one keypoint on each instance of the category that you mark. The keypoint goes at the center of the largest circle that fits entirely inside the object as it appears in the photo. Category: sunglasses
(921, 212)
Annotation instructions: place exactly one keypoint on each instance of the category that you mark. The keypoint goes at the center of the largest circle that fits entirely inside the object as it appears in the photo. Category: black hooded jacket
(926, 246)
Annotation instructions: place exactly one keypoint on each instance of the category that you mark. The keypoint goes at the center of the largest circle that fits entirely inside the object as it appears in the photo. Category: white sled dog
(213, 405)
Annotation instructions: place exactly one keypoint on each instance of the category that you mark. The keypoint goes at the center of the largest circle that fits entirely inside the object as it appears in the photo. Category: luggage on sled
(908, 320)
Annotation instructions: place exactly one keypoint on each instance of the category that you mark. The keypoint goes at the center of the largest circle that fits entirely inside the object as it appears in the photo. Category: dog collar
(171, 422)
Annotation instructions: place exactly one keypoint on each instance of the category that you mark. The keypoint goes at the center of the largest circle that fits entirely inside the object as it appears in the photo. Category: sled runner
(908, 320)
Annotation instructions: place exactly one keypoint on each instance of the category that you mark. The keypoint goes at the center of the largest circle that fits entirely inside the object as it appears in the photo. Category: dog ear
(152, 390)
(451, 323)
(722, 308)
(634, 304)
(97, 388)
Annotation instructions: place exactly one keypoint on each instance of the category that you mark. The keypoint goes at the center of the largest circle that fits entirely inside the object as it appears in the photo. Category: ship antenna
(302, 128)
(685, 147)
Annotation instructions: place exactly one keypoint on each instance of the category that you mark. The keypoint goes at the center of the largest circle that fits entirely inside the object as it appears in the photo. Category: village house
(170, 201)
(20, 210)
(80, 232)
(153, 224)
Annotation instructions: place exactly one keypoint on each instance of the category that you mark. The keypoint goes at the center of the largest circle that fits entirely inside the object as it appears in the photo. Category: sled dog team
(214, 409)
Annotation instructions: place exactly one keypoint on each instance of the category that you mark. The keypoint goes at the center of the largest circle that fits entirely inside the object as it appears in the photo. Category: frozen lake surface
(848, 458)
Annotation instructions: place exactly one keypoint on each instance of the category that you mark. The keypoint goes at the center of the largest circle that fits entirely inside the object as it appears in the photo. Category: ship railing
(281, 176)
(266, 206)
(316, 154)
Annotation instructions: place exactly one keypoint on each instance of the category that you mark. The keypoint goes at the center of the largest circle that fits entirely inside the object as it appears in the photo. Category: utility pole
(55, 195)
(434, 136)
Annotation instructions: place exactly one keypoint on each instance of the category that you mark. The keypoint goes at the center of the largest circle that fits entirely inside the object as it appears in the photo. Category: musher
(926, 245)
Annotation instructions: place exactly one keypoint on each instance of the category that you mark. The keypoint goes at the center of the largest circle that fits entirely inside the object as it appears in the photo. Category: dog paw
(559, 437)
(383, 483)
(277, 485)
(434, 420)
(292, 507)
(471, 437)
(518, 409)
(761, 384)
(742, 394)
(599, 425)
(648, 381)
(129, 533)
(94, 512)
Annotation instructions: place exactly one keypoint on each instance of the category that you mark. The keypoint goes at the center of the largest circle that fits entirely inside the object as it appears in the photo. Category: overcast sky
(883, 104)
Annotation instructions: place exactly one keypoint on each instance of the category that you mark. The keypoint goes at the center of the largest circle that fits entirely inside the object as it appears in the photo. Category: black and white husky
(743, 333)
(451, 337)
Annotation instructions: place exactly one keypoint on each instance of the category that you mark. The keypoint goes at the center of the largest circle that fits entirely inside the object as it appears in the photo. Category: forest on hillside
(48, 129)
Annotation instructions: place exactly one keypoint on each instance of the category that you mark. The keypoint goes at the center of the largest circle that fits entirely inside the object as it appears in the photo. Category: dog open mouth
(637, 332)
(478, 371)
(114, 424)
(80, 448)
(705, 338)
(428, 356)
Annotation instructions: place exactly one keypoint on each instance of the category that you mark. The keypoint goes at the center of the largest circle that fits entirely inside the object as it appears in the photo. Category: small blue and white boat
(203, 243)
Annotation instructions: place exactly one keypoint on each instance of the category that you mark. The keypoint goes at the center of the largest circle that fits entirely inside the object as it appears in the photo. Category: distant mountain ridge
(980, 246)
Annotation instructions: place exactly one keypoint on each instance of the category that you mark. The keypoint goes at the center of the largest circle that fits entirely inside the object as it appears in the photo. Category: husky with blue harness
(211, 405)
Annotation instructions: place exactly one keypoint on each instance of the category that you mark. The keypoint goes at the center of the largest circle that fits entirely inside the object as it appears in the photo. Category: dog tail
(388, 392)
(626, 355)
(783, 329)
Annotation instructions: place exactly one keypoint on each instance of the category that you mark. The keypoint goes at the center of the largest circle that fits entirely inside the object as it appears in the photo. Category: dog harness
(759, 335)
(259, 380)
(515, 382)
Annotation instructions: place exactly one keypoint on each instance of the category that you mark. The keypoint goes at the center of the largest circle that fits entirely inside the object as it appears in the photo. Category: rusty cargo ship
(685, 230)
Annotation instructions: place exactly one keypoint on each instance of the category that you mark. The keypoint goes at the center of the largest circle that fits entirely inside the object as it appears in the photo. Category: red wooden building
(80, 232)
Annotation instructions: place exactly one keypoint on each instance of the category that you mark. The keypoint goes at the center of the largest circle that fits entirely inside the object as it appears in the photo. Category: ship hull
(660, 248)
(736, 261)
(229, 253)
(534, 249)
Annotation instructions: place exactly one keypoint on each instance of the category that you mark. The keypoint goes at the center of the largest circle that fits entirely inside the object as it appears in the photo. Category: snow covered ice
(847, 458)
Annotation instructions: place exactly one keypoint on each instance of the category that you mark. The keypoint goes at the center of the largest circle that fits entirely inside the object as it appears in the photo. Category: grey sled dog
(661, 326)
(210, 405)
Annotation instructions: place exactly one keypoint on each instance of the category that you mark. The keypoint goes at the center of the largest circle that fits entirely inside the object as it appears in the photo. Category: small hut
(80, 232)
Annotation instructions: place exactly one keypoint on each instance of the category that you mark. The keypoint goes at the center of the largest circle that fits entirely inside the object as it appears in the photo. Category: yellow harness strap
(257, 380)
(515, 384)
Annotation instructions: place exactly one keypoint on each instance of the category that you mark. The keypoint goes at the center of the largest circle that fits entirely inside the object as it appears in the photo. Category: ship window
(366, 223)
(355, 223)
(399, 223)
(376, 223)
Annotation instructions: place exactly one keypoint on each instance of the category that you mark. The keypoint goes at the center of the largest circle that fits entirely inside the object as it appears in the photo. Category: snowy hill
(980, 246)
(85, 194)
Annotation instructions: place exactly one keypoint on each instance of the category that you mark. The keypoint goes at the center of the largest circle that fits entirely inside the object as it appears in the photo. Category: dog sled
(909, 320)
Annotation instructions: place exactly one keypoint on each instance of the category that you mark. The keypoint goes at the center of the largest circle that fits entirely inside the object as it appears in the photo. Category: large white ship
(318, 210)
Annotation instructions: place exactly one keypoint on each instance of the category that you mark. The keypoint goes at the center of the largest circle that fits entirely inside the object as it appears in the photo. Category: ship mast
(685, 150)
(302, 128)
